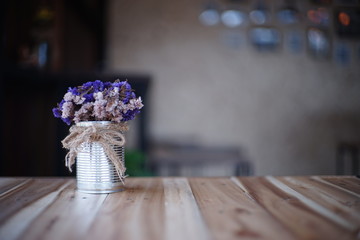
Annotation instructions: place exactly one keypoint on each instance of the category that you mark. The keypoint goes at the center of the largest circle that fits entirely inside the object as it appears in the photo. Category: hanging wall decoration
(347, 22)
(260, 14)
(233, 18)
(210, 16)
(318, 43)
(342, 54)
(288, 14)
(319, 16)
(265, 38)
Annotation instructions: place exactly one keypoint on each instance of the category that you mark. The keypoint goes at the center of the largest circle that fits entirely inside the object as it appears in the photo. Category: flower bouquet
(100, 112)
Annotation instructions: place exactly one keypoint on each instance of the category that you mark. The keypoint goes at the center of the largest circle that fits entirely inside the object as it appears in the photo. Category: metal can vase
(95, 173)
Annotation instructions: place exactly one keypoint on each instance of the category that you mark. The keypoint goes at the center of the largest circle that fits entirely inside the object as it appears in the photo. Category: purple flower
(98, 86)
(89, 97)
(67, 120)
(118, 84)
(130, 115)
(74, 91)
(57, 113)
(61, 104)
(107, 85)
(125, 91)
(87, 85)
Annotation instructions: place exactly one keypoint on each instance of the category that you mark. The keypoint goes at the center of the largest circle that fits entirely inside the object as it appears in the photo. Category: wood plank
(6, 184)
(294, 210)
(340, 202)
(349, 183)
(68, 217)
(316, 207)
(26, 194)
(183, 218)
(346, 197)
(231, 214)
(135, 213)
(14, 226)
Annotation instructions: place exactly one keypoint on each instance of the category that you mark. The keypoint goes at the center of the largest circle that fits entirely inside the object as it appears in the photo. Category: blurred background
(230, 87)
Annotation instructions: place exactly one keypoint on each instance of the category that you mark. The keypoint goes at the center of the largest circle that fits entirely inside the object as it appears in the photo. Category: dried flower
(67, 109)
(99, 101)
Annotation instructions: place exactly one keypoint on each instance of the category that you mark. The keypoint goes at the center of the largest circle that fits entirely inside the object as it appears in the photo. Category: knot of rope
(107, 136)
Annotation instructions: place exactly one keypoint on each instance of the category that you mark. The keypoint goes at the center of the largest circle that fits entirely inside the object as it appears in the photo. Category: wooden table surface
(325, 207)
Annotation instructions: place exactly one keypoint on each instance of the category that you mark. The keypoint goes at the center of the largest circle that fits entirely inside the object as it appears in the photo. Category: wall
(285, 111)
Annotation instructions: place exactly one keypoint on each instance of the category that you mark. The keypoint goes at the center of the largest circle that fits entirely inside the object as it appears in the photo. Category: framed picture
(288, 15)
(347, 22)
(342, 53)
(265, 38)
(233, 18)
(318, 43)
(318, 16)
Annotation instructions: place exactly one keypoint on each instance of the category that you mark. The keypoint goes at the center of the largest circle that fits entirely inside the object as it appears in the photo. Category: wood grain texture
(317, 208)
(232, 214)
(345, 197)
(17, 198)
(297, 214)
(351, 184)
(17, 224)
(69, 210)
(341, 203)
(183, 218)
(135, 213)
(6, 184)
(182, 208)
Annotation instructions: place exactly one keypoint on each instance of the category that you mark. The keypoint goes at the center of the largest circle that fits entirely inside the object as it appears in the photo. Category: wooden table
(183, 208)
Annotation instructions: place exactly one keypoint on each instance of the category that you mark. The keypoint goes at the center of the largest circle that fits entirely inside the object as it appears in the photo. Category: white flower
(79, 100)
(99, 109)
(84, 113)
(116, 115)
(67, 109)
(135, 103)
(98, 96)
(68, 96)
(114, 92)
(123, 107)
(118, 118)
(111, 104)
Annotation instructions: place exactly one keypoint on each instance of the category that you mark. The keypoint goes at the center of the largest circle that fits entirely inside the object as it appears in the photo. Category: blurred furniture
(183, 208)
(191, 160)
(347, 159)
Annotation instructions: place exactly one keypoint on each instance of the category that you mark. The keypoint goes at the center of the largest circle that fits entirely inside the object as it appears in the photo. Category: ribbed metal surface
(95, 172)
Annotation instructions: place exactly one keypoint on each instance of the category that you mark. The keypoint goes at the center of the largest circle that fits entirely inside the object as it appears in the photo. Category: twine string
(107, 136)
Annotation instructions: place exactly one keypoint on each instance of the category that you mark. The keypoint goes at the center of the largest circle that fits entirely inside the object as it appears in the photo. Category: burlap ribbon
(105, 135)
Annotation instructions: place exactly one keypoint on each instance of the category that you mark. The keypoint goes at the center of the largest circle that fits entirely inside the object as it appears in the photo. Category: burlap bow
(106, 135)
